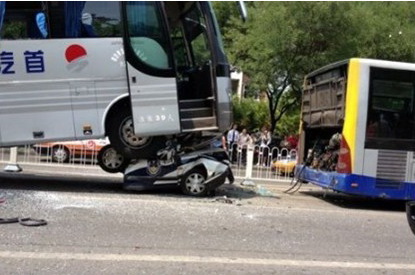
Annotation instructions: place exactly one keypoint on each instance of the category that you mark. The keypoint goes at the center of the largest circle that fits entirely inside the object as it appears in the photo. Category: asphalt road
(94, 227)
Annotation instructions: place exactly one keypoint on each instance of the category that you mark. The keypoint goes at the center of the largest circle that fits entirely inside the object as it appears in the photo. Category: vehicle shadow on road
(227, 193)
(357, 202)
(59, 183)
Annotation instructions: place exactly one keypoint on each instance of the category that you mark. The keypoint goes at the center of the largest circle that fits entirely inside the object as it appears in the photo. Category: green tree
(250, 113)
(385, 30)
(301, 36)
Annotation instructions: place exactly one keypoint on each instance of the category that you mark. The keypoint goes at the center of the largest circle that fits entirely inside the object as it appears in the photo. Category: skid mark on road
(201, 260)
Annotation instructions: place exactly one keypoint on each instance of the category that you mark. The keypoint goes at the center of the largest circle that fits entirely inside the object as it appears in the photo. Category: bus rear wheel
(126, 142)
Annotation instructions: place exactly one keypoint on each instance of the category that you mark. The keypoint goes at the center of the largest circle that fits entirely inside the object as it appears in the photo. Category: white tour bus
(133, 71)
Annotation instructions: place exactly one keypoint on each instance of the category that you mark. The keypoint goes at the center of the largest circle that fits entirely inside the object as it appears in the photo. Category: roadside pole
(249, 166)
(12, 166)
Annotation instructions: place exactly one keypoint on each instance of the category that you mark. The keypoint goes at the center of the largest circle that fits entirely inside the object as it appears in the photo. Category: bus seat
(87, 28)
(150, 52)
(37, 29)
(41, 24)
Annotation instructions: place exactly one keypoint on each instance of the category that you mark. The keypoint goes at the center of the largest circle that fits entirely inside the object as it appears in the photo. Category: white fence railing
(270, 164)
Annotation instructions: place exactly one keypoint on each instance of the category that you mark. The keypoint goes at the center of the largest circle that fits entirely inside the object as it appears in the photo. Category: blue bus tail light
(344, 164)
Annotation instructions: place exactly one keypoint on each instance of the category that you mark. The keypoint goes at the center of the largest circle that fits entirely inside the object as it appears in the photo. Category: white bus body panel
(384, 164)
(154, 102)
(389, 164)
(224, 108)
(67, 98)
(362, 117)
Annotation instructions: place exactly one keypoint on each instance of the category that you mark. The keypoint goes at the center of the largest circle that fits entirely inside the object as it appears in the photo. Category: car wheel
(111, 161)
(122, 137)
(193, 183)
(60, 154)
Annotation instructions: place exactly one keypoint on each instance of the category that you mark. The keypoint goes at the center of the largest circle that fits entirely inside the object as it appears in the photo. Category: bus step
(196, 112)
(200, 129)
(195, 103)
(195, 123)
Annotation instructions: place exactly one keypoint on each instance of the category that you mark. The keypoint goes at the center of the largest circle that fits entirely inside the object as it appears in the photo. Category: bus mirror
(410, 214)
(242, 10)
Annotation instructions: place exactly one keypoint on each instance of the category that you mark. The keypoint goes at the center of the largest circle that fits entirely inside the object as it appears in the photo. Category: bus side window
(147, 34)
(149, 51)
(101, 19)
(85, 19)
(87, 28)
(24, 20)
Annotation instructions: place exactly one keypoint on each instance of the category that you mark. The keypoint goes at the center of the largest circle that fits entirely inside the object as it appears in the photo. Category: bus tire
(111, 161)
(122, 137)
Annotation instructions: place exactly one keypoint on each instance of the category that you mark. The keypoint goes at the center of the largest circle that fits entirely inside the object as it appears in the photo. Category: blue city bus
(358, 128)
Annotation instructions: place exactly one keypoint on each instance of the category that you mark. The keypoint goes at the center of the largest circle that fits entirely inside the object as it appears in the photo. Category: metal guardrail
(273, 164)
(270, 164)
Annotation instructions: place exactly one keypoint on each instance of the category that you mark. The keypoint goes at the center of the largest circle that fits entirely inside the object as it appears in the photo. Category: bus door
(150, 70)
(195, 65)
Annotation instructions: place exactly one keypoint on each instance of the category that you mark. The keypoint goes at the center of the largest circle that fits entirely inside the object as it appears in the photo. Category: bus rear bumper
(358, 184)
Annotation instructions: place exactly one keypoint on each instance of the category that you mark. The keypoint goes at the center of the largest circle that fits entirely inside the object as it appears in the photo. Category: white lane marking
(198, 259)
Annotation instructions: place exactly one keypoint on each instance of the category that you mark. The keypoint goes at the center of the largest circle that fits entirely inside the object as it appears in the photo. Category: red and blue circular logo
(76, 56)
(75, 52)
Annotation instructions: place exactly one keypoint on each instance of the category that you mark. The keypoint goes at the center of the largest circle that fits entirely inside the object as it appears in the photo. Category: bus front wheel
(122, 137)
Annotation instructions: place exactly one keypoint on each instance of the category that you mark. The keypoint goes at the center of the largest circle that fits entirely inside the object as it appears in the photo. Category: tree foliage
(283, 41)
(250, 113)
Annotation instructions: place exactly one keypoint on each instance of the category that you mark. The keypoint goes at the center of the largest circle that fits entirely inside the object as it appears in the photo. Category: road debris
(262, 191)
(248, 183)
(224, 199)
(24, 221)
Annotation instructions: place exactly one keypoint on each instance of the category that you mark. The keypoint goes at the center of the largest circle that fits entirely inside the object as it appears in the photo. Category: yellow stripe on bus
(351, 111)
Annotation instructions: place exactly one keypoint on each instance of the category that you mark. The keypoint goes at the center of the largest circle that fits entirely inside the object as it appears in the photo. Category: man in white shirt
(233, 138)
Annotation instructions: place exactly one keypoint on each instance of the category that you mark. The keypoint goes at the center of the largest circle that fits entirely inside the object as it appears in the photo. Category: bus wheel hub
(128, 135)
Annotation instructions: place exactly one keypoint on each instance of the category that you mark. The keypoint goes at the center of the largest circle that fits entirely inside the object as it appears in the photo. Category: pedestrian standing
(244, 141)
(224, 141)
(264, 142)
(233, 138)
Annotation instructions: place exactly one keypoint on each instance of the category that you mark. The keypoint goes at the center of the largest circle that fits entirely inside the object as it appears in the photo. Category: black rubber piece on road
(10, 220)
(32, 222)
